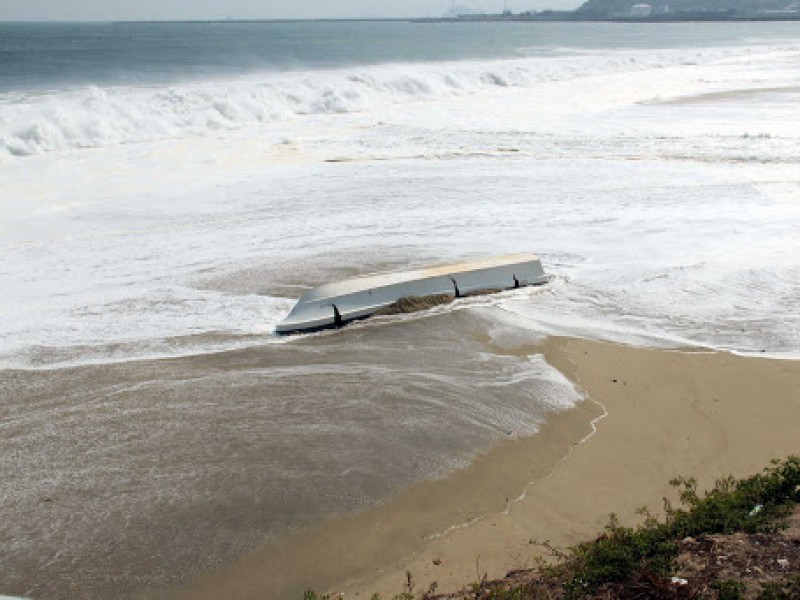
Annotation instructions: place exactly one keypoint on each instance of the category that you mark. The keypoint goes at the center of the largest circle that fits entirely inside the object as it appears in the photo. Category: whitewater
(658, 187)
(91, 117)
(168, 191)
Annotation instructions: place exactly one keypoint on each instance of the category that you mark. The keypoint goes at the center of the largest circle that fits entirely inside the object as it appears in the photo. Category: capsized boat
(334, 304)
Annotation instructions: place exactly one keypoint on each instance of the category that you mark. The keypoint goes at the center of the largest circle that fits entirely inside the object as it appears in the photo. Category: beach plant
(730, 589)
(625, 556)
(752, 505)
(620, 554)
(787, 590)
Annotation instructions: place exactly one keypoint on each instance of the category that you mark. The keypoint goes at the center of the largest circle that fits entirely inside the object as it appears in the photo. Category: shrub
(622, 555)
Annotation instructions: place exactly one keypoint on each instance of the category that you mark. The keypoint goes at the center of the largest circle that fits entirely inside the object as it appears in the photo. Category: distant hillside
(619, 8)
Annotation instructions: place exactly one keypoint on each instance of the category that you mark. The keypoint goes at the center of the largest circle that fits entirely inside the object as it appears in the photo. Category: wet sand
(658, 414)
(133, 479)
(352, 548)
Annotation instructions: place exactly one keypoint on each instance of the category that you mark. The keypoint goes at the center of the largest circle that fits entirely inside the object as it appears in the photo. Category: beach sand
(649, 415)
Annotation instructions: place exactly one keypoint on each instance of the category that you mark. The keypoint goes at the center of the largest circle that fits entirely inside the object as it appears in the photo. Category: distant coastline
(562, 17)
(545, 16)
(528, 17)
(542, 17)
(643, 11)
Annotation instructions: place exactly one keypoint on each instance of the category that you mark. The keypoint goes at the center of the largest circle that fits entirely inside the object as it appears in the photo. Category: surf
(98, 116)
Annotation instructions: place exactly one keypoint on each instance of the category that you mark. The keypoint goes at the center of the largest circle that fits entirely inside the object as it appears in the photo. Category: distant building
(641, 10)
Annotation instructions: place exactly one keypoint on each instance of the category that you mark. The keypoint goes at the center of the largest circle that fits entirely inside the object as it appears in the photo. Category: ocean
(168, 191)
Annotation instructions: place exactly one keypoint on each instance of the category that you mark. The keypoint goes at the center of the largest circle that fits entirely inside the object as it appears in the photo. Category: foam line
(93, 116)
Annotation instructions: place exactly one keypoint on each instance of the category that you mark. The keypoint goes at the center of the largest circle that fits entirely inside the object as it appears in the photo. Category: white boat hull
(334, 304)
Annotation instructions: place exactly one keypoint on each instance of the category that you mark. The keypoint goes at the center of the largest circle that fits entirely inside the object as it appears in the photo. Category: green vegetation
(642, 559)
(646, 555)
(641, 562)
(788, 590)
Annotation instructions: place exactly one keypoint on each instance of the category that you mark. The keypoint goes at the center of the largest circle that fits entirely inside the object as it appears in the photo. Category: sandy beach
(649, 415)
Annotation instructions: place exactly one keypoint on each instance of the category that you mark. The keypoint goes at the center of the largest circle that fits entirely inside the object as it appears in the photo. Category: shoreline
(351, 548)
(558, 485)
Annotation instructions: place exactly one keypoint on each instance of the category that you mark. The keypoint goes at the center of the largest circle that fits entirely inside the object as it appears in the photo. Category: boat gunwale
(399, 277)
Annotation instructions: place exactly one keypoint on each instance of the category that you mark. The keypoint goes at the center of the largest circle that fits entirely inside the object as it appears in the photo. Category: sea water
(168, 190)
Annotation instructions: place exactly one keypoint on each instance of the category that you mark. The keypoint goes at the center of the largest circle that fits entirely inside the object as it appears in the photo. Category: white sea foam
(665, 219)
(94, 117)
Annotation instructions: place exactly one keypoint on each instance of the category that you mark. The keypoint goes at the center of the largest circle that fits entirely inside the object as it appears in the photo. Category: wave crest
(37, 123)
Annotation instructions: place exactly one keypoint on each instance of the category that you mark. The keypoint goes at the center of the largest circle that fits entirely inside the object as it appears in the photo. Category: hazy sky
(248, 9)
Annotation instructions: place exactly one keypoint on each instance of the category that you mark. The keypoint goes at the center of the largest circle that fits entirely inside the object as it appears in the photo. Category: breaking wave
(91, 117)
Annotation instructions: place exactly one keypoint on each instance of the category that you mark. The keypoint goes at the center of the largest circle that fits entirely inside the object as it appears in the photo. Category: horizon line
(218, 20)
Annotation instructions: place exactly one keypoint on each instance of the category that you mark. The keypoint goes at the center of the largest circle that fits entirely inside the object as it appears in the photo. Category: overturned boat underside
(334, 304)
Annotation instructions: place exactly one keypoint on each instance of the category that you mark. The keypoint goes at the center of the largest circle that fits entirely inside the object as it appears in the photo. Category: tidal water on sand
(168, 191)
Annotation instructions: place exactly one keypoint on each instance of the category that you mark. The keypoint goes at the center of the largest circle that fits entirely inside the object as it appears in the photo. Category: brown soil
(756, 560)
